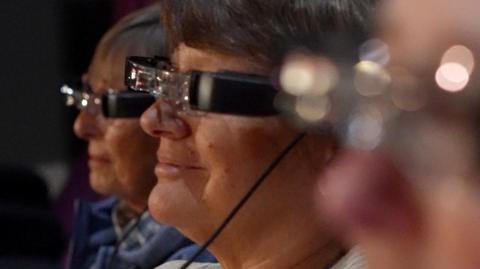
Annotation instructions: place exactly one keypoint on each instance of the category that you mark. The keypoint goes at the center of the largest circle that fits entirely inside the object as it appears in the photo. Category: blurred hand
(394, 225)
(368, 198)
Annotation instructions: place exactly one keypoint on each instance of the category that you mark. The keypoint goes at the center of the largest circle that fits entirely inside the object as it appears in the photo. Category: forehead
(187, 58)
(108, 72)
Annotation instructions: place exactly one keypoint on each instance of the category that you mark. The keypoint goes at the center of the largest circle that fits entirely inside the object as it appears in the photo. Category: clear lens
(158, 77)
(140, 77)
(173, 87)
(81, 99)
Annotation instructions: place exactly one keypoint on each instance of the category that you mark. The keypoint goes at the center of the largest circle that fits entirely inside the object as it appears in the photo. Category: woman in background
(119, 232)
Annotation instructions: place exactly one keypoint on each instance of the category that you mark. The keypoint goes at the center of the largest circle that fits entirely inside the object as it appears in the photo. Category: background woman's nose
(86, 126)
(161, 120)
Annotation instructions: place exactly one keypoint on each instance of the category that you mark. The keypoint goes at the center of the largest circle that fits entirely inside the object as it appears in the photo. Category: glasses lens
(140, 73)
(81, 99)
(158, 77)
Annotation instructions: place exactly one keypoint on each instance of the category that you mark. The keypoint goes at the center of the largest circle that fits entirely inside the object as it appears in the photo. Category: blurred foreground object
(426, 120)
(409, 197)
(420, 31)
(393, 224)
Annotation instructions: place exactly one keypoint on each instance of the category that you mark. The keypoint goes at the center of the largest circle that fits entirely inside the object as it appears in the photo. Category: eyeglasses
(196, 91)
(113, 104)
(83, 99)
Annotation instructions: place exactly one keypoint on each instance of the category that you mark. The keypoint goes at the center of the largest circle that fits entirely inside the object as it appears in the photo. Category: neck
(293, 242)
(137, 206)
(313, 253)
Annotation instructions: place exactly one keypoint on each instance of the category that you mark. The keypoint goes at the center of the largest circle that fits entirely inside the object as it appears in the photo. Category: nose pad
(86, 126)
(161, 120)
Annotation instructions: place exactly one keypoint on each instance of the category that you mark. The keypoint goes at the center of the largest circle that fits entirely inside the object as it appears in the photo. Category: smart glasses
(81, 97)
(113, 104)
(196, 91)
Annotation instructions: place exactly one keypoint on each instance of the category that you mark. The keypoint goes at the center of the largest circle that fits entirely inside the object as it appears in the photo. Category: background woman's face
(207, 163)
(121, 155)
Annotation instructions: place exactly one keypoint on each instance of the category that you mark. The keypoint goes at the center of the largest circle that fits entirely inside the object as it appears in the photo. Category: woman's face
(121, 155)
(207, 163)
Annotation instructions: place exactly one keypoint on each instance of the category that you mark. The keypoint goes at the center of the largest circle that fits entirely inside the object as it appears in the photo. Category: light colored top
(353, 260)
(178, 265)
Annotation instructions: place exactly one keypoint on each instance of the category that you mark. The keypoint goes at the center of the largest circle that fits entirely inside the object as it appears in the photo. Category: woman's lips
(163, 170)
(167, 168)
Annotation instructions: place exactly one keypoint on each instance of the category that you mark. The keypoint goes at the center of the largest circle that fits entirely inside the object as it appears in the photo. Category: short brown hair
(260, 29)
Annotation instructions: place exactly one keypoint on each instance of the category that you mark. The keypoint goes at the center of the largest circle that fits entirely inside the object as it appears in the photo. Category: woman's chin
(101, 183)
(170, 205)
(157, 205)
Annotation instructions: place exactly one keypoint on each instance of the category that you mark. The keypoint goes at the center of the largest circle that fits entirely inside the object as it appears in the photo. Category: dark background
(44, 43)
(43, 168)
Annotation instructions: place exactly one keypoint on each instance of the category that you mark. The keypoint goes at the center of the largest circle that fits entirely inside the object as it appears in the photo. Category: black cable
(124, 237)
(245, 198)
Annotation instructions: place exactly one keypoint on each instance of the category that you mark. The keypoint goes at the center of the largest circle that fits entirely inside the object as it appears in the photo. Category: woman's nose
(86, 126)
(161, 120)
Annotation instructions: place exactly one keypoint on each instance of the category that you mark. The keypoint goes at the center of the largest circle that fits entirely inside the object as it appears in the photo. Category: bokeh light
(297, 76)
(452, 77)
(371, 78)
(457, 64)
(313, 76)
(365, 129)
(312, 109)
(461, 55)
(375, 50)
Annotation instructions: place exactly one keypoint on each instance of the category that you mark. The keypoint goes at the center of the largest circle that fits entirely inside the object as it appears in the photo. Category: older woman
(207, 162)
(119, 232)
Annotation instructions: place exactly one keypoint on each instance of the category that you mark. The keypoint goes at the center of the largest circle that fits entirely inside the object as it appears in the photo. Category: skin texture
(121, 155)
(207, 163)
